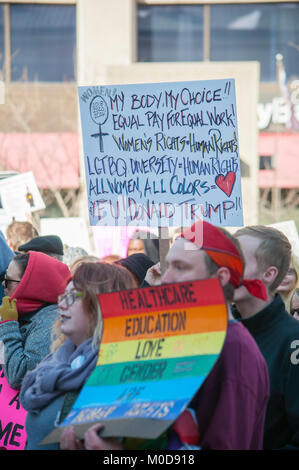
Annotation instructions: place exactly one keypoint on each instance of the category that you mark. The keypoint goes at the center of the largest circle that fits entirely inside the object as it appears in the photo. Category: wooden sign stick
(163, 247)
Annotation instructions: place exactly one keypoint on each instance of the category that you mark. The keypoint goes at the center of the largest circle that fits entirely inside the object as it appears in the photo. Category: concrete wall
(106, 32)
(39, 107)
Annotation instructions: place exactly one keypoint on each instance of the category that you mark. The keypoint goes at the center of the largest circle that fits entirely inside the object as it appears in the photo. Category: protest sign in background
(12, 417)
(115, 240)
(73, 231)
(289, 229)
(162, 154)
(158, 346)
(20, 195)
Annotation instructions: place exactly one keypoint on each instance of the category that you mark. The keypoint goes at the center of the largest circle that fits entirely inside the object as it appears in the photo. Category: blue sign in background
(162, 154)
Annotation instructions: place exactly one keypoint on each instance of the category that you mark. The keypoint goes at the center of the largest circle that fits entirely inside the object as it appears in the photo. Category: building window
(43, 39)
(1, 41)
(170, 33)
(257, 32)
(238, 32)
(265, 162)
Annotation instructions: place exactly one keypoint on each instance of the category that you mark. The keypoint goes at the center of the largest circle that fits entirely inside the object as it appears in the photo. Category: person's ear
(269, 275)
(223, 274)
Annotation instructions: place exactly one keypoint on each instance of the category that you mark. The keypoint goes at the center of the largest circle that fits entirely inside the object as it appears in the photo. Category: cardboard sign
(162, 154)
(12, 417)
(289, 229)
(158, 346)
(115, 240)
(73, 231)
(20, 195)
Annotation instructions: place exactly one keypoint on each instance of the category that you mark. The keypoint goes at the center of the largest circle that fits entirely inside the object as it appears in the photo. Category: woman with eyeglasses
(49, 391)
(32, 283)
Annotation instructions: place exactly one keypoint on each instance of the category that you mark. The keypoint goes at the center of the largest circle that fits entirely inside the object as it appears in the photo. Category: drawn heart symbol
(226, 183)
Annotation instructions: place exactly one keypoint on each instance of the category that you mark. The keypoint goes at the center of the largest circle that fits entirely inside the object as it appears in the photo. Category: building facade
(48, 47)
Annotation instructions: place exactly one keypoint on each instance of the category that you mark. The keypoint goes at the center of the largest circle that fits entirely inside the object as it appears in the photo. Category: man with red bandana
(228, 411)
(230, 407)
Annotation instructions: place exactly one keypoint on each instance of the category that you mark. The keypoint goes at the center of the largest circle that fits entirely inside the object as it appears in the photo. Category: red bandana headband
(224, 253)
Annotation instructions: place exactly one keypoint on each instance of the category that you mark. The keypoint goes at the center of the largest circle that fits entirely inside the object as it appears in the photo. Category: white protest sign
(289, 229)
(20, 195)
(72, 230)
(162, 154)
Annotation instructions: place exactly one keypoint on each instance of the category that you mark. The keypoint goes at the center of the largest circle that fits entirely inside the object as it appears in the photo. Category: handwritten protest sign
(20, 195)
(158, 346)
(12, 417)
(162, 154)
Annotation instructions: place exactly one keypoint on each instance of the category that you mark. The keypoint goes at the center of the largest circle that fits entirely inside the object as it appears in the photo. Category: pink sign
(12, 417)
(113, 240)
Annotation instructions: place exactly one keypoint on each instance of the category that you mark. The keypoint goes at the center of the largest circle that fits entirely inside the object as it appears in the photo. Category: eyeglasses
(69, 298)
(294, 310)
(6, 280)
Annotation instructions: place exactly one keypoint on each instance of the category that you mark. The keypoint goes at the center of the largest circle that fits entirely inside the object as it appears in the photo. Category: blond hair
(92, 279)
(18, 233)
(295, 294)
(273, 250)
(287, 296)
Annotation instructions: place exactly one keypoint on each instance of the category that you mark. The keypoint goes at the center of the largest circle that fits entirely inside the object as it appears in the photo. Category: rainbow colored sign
(158, 346)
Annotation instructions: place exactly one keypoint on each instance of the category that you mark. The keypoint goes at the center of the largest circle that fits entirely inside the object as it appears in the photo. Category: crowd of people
(51, 328)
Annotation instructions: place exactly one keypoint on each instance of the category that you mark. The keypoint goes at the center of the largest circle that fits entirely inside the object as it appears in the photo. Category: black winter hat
(138, 264)
(46, 244)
